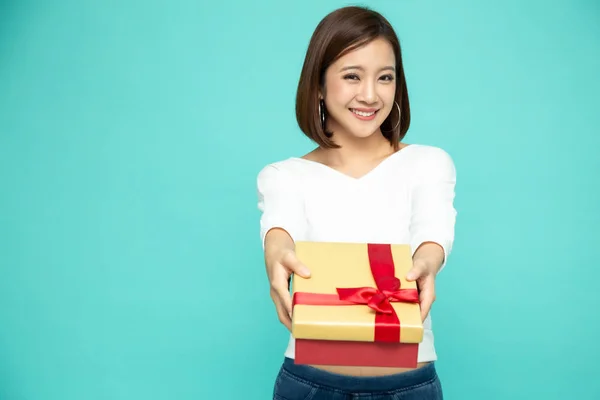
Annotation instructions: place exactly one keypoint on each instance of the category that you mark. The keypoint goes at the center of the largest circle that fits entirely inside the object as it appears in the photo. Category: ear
(321, 92)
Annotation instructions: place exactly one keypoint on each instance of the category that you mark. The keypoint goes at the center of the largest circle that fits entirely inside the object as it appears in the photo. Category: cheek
(388, 96)
(388, 93)
(339, 92)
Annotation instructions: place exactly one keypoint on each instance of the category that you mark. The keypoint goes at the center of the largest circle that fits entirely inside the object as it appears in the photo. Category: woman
(361, 184)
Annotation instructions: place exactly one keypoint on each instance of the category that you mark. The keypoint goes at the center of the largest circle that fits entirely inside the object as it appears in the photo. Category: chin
(359, 129)
(362, 133)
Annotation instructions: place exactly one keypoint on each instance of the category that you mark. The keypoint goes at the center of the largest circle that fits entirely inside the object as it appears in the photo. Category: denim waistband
(397, 381)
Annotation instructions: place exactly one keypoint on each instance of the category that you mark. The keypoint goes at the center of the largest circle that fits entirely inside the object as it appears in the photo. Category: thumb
(294, 265)
(415, 272)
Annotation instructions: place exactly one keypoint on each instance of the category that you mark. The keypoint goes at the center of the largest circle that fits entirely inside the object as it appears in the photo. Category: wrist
(430, 256)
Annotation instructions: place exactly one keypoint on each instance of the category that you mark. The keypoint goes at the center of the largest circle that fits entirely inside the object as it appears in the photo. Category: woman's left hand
(424, 275)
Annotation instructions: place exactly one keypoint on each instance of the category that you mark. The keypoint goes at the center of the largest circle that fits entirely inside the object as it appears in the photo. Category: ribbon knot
(380, 299)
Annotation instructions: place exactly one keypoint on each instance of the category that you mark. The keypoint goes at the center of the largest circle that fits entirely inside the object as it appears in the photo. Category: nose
(367, 92)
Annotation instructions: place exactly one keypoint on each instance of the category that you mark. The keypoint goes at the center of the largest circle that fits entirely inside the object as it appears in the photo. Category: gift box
(356, 309)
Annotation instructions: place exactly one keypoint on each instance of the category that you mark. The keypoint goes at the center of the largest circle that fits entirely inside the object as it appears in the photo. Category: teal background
(131, 134)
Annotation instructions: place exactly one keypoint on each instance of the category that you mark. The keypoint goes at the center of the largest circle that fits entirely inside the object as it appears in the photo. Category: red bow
(380, 299)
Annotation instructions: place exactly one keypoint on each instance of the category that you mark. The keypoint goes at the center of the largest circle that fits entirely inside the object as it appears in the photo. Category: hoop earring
(399, 116)
(322, 113)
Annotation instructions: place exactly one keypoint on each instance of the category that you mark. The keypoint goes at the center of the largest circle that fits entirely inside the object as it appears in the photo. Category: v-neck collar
(351, 178)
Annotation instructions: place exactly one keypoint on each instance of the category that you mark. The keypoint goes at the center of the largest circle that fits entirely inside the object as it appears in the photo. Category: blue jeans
(302, 382)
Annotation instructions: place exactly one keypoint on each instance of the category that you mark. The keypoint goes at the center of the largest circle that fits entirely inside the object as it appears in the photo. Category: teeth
(363, 114)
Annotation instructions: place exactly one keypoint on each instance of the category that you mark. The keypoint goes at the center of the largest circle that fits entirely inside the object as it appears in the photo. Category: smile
(365, 115)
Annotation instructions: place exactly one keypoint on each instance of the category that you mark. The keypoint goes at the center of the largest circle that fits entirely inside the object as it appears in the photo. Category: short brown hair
(340, 32)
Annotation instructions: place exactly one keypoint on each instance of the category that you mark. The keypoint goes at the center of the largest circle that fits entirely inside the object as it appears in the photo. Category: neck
(355, 150)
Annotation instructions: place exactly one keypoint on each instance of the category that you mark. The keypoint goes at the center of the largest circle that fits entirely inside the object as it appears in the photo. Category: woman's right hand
(281, 262)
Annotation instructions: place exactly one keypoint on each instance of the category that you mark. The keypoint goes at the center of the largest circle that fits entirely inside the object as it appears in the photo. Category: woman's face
(360, 88)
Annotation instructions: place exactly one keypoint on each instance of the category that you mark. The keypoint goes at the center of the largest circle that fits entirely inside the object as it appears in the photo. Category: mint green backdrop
(131, 134)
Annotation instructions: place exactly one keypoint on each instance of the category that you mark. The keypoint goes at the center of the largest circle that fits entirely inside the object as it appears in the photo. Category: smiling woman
(361, 82)
(354, 63)
(361, 184)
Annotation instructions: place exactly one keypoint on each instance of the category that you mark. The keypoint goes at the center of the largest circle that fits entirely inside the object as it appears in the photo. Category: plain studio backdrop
(131, 134)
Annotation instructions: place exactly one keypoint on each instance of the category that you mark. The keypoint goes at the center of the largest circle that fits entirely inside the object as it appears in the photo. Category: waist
(366, 371)
(363, 379)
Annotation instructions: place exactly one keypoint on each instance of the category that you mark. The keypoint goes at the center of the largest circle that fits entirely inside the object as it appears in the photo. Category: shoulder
(289, 166)
(282, 172)
(427, 160)
(423, 152)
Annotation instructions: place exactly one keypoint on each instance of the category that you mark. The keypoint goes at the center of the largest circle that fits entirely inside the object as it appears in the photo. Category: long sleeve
(280, 203)
(432, 201)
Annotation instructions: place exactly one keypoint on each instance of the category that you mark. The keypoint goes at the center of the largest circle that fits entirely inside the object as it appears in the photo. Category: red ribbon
(387, 323)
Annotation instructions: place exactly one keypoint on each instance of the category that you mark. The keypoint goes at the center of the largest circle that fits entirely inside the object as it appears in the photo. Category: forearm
(431, 254)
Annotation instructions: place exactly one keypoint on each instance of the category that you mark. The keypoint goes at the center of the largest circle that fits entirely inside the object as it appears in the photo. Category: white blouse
(407, 199)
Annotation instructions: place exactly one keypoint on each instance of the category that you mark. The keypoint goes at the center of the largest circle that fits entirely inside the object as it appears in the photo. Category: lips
(363, 113)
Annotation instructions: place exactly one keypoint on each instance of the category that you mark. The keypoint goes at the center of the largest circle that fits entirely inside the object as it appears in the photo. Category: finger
(427, 297)
(284, 317)
(283, 297)
(291, 262)
(425, 308)
(282, 300)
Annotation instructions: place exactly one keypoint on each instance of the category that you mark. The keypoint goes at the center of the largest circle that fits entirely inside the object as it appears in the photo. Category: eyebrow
(389, 67)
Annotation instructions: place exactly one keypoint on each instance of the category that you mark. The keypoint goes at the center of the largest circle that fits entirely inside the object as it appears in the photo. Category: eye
(388, 78)
(351, 77)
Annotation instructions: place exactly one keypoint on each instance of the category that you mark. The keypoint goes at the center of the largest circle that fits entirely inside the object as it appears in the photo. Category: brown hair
(340, 32)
